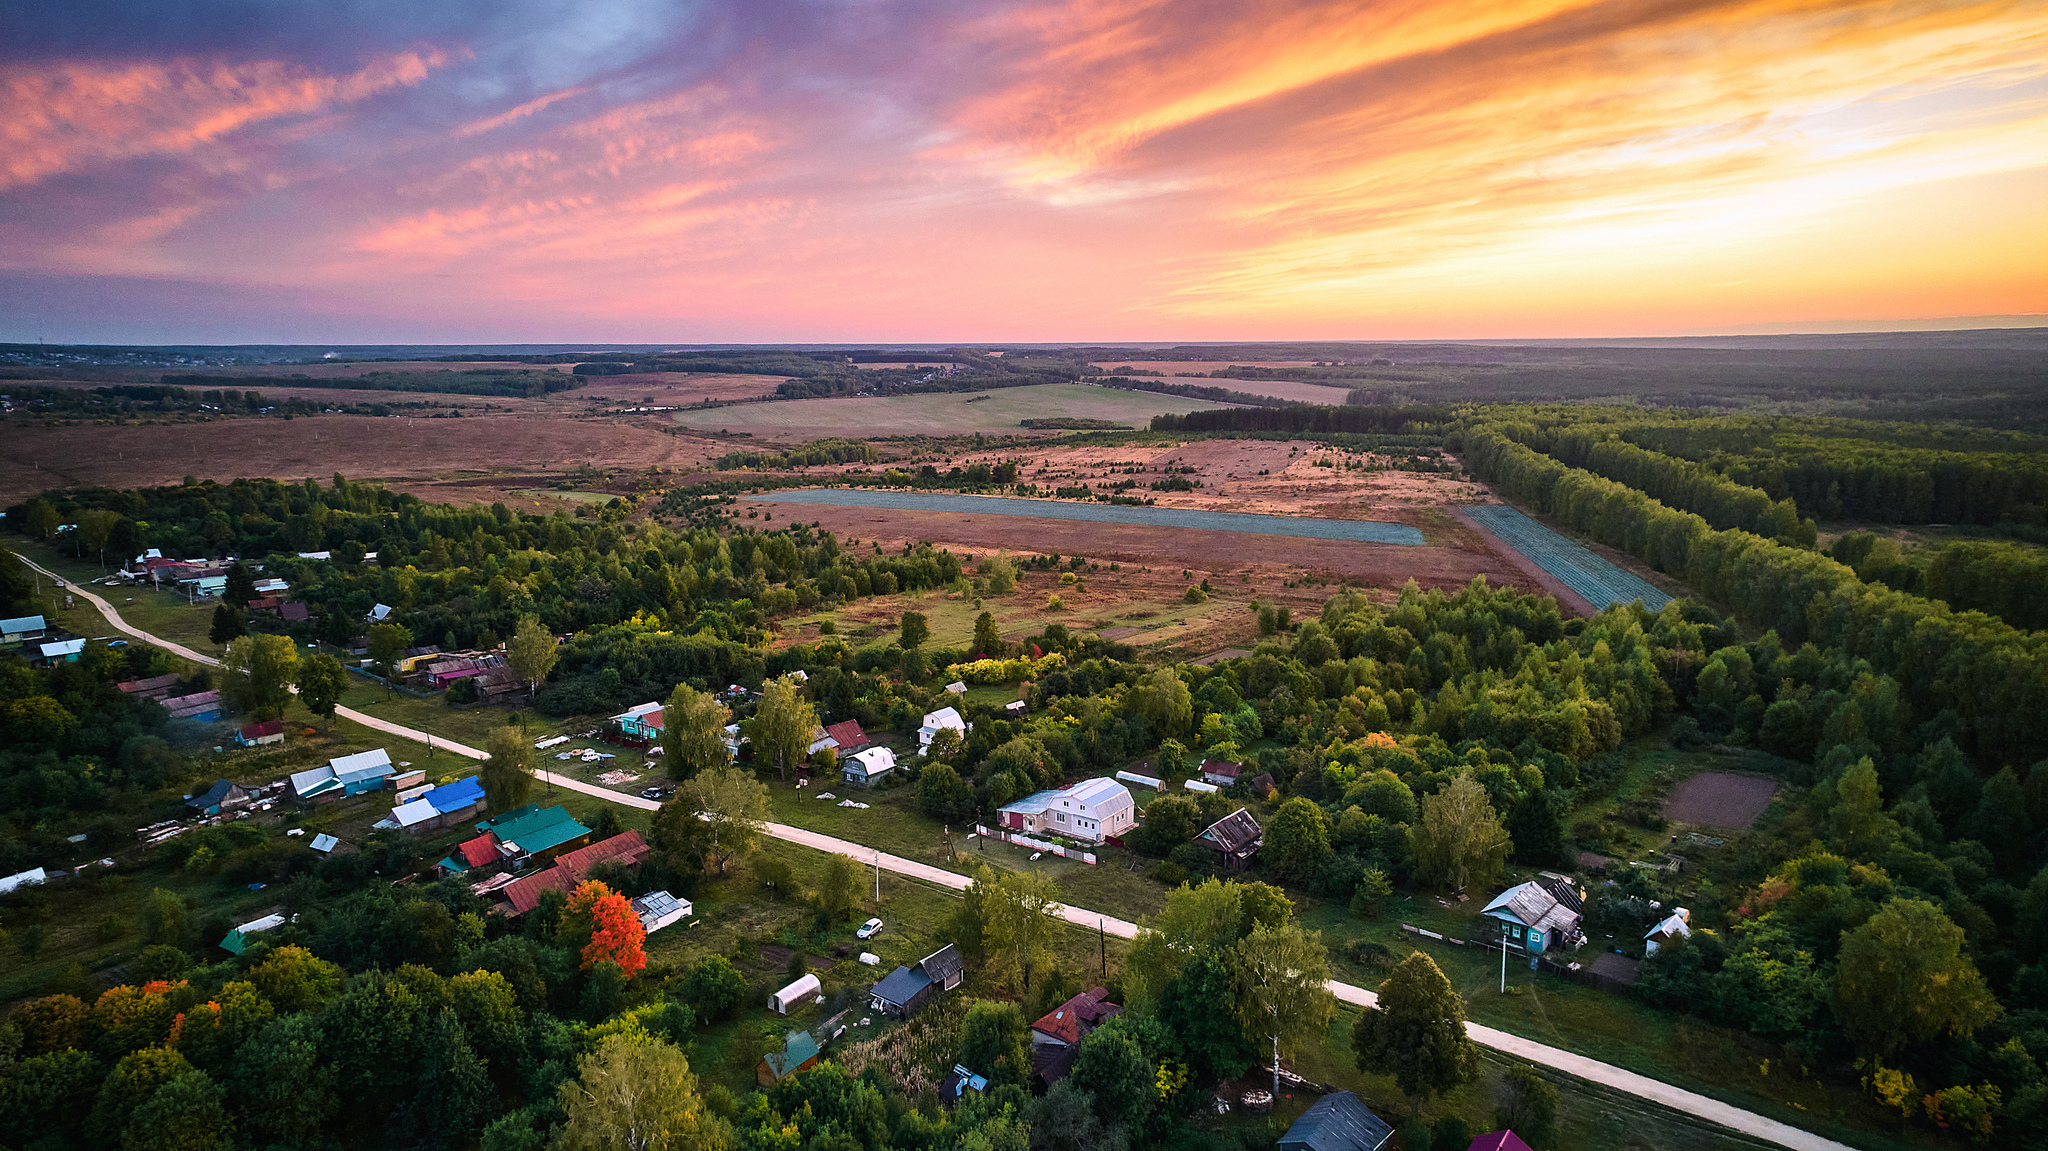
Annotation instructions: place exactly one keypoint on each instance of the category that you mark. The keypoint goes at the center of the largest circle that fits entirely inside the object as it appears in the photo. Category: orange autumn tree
(615, 932)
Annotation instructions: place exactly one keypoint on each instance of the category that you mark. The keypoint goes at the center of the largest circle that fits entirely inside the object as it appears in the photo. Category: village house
(906, 990)
(1337, 1122)
(659, 909)
(571, 868)
(1219, 772)
(937, 721)
(867, 768)
(1539, 915)
(1056, 1036)
(22, 629)
(1234, 840)
(534, 833)
(258, 734)
(343, 776)
(1092, 810)
(642, 722)
(440, 807)
(155, 687)
(844, 738)
(1677, 925)
(799, 1053)
(204, 706)
(224, 795)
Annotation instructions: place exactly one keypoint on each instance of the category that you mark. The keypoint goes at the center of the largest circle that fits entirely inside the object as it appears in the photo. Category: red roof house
(1498, 1141)
(523, 894)
(847, 736)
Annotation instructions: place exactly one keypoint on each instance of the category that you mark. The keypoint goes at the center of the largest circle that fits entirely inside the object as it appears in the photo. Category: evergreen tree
(227, 625)
(241, 585)
(1416, 1033)
(1538, 836)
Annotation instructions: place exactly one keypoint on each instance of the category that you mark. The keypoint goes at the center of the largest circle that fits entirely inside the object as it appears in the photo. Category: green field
(937, 413)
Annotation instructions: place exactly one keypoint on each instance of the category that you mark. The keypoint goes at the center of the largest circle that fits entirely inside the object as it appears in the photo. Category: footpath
(1528, 1050)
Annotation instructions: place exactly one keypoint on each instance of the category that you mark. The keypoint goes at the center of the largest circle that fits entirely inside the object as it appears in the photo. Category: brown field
(524, 448)
(343, 371)
(1717, 799)
(671, 389)
(1268, 560)
(1171, 366)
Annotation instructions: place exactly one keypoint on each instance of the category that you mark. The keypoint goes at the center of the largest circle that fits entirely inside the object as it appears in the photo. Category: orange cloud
(479, 127)
(63, 117)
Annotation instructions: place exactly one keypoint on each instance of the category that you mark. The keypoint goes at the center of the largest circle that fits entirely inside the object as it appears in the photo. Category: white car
(869, 930)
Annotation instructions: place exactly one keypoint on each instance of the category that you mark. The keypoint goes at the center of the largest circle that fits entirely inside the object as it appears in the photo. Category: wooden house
(1234, 840)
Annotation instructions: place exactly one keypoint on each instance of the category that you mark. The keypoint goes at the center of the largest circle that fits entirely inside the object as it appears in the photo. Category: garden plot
(1601, 583)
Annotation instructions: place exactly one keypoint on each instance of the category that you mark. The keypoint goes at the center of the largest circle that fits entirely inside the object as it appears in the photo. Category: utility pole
(1503, 959)
(1102, 935)
(878, 880)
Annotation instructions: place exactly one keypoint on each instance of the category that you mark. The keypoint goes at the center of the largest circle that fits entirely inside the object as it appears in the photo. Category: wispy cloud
(1040, 168)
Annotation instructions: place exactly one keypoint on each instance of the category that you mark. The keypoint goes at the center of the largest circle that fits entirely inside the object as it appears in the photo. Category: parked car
(869, 930)
(654, 793)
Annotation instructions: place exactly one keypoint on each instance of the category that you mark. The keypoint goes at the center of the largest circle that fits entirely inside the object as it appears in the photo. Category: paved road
(1656, 1091)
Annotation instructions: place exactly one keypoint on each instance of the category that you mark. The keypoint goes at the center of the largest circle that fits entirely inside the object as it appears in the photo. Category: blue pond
(1356, 531)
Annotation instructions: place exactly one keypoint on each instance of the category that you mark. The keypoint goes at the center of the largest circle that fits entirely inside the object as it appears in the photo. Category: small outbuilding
(258, 734)
(1677, 925)
(238, 940)
(658, 909)
(1233, 840)
(901, 992)
(867, 768)
(799, 1053)
(795, 993)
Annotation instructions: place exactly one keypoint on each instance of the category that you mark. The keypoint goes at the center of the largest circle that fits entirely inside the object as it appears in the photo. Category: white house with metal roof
(938, 721)
(1091, 810)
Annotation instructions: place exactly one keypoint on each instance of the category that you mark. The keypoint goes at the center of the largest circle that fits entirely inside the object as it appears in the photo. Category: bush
(1170, 873)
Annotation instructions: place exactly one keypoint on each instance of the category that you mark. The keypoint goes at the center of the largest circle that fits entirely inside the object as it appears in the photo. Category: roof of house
(220, 792)
(535, 828)
(416, 812)
(23, 623)
(259, 730)
(295, 612)
(153, 683)
(479, 851)
(1498, 1141)
(1532, 905)
(845, 735)
(944, 717)
(1264, 783)
(1078, 1016)
(1053, 1062)
(902, 985)
(959, 1082)
(456, 796)
(639, 710)
(658, 904)
(627, 847)
(362, 765)
(1565, 888)
(799, 1049)
(1671, 926)
(1338, 1122)
(942, 964)
(523, 893)
(63, 647)
(874, 759)
(1096, 792)
(1221, 767)
(1235, 832)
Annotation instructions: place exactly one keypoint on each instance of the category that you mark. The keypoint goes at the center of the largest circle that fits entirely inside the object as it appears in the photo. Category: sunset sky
(941, 170)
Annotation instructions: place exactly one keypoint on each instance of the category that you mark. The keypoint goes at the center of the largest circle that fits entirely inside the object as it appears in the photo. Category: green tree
(227, 626)
(1537, 834)
(942, 794)
(716, 815)
(693, 732)
(187, 1113)
(1530, 1107)
(632, 1094)
(1112, 1067)
(1903, 978)
(1370, 896)
(1163, 700)
(1416, 1032)
(507, 775)
(258, 671)
(388, 642)
(988, 639)
(999, 573)
(95, 528)
(241, 585)
(839, 892)
(322, 682)
(164, 919)
(40, 518)
(1461, 842)
(1019, 912)
(714, 987)
(916, 629)
(782, 725)
(1281, 975)
(1172, 760)
(531, 654)
(995, 1040)
(1297, 839)
(294, 979)
(454, 1093)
